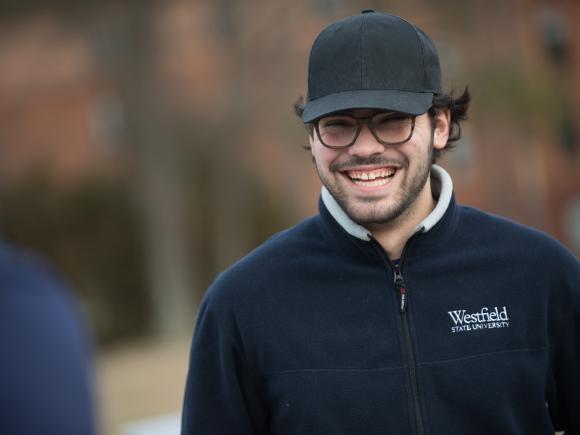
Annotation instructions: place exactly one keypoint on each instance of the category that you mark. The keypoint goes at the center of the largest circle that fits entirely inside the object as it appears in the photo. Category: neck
(394, 235)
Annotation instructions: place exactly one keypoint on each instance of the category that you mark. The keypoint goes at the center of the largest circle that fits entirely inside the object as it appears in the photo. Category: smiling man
(395, 310)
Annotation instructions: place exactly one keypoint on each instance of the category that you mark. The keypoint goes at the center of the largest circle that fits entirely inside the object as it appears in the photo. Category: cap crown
(372, 51)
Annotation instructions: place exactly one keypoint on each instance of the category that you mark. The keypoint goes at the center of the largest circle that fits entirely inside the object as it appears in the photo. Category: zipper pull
(400, 284)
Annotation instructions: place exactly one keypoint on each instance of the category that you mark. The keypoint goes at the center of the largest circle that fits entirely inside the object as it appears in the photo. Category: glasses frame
(360, 122)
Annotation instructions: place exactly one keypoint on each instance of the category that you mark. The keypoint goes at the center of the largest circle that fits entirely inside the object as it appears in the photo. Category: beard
(371, 211)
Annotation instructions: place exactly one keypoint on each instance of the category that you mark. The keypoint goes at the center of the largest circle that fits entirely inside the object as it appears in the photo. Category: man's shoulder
(285, 245)
(276, 259)
(485, 223)
(496, 230)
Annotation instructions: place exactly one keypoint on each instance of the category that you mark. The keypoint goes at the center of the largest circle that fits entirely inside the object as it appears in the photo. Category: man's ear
(441, 127)
(311, 142)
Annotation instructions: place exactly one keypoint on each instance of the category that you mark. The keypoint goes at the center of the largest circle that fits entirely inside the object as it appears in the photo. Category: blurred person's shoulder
(45, 370)
(19, 265)
(33, 292)
(26, 276)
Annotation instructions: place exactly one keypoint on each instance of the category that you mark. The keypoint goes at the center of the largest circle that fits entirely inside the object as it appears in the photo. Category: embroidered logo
(482, 319)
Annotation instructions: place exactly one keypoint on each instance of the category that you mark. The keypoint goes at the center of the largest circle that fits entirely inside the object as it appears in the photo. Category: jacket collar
(442, 187)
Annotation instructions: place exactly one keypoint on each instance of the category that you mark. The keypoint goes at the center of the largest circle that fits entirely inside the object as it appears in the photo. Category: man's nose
(366, 144)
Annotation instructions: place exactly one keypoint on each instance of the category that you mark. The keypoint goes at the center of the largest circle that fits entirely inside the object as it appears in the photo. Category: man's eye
(337, 124)
(392, 121)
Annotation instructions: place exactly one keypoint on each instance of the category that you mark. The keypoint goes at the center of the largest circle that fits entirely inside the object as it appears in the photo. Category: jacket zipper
(403, 302)
(403, 297)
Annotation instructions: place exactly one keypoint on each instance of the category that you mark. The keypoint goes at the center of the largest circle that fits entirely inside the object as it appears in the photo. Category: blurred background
(146, 145)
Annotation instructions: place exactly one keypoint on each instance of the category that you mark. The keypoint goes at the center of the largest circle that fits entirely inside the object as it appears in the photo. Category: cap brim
(413, 103)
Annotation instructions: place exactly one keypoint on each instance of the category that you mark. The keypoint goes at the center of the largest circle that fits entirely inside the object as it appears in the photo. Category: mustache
(377, 160)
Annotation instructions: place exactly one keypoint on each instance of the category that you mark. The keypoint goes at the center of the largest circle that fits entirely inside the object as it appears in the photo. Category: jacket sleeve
(221, 393)
(564, 386)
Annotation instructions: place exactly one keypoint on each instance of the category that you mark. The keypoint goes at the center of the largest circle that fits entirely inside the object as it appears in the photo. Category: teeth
(372, 175)
(378, 182)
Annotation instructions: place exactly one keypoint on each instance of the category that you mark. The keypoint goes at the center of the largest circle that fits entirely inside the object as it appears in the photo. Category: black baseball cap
(372, 60)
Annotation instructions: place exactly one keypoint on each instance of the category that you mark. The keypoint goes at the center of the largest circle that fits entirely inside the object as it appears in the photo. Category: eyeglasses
(342, 131)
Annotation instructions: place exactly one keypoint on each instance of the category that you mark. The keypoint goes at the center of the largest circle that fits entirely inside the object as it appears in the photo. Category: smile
(371, 178)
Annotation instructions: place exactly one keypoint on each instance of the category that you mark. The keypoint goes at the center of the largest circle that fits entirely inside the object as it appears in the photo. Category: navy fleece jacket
(307, 334)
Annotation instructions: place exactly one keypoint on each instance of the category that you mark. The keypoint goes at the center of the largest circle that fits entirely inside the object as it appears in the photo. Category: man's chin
(366, 215)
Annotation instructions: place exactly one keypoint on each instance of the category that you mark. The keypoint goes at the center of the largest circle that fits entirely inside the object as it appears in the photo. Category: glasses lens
(393, 128)
(337, 131)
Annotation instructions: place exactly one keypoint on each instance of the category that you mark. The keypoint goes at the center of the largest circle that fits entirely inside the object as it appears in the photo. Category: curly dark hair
(458, 108)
